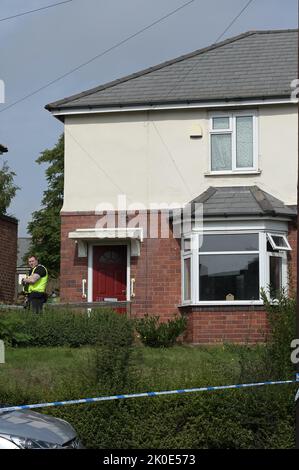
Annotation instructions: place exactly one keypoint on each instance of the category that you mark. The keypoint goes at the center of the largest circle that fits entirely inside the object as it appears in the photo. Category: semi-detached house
(214, 130)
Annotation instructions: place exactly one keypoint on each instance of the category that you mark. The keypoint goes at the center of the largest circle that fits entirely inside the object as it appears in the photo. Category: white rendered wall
(150, 157)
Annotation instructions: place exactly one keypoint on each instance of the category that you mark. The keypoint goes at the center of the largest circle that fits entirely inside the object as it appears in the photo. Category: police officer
(35, 284)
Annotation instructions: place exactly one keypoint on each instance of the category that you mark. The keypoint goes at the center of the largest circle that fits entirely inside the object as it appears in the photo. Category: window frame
(186, 300)
(284, 269)
(232, 131)
(228, 253)
(186, 254)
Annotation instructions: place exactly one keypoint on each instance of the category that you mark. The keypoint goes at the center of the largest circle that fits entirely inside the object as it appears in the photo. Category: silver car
(27, 429)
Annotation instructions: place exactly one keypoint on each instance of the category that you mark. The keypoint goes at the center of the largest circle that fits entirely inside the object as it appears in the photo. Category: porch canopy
(83, 236)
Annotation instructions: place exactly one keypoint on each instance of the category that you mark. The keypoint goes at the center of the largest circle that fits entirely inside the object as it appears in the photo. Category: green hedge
(58, 328)
(261, 418)
(234, 419)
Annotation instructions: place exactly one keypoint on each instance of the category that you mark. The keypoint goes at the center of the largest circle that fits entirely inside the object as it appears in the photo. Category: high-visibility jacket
(41, 284)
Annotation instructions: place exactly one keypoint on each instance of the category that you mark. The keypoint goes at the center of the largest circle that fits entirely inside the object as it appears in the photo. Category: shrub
(111, 373)
(272, 360)
(156, 334)
(113, 352)
(282, 321)
(12, 331)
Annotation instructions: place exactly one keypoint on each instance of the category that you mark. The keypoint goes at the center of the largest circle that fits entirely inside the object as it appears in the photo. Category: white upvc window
(278, 242)
(231, 267)
(277, 247)
(233, 142)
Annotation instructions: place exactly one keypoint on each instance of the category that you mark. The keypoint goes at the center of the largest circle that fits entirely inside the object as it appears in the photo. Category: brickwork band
(157, 275)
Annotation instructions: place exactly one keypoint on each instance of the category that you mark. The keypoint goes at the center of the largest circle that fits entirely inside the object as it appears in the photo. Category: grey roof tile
(256, 64)
(241, 200)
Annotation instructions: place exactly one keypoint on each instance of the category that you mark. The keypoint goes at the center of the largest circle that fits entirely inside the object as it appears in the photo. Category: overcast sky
(37, 48)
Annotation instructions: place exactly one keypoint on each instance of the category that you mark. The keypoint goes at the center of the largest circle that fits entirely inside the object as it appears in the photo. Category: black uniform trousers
(36, 301)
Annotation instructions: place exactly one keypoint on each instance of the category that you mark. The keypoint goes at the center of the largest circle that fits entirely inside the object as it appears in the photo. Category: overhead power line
(34, 11)
(172, 159)
(154, 125)
(234, 20)
(101, 54)
(218, 38)
(96, 163)
(179, 82)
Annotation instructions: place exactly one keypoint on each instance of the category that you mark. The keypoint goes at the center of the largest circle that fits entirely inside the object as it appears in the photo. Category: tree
(7, 187)
(44, 227)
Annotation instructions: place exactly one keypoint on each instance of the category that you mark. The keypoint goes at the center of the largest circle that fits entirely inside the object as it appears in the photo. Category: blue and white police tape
(145, 394)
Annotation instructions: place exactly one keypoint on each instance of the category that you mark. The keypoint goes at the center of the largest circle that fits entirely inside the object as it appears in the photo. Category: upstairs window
(233, 143)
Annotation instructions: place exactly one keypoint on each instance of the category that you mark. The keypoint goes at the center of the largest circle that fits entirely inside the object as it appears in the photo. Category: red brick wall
(158, 278)
(72, 268)
(226, 324)
(8, 258)
(157, 272)
(292, 257)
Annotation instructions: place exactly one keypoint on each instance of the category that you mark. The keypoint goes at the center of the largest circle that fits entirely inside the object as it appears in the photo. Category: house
(180, 187)
(8, 254)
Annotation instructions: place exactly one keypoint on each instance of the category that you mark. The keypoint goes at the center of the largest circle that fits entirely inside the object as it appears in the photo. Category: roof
(9, 218)
(256, 64)
(2, 149)
(239, 201)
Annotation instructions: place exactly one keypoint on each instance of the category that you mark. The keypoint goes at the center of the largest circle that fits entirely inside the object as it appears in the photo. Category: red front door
(109, 273)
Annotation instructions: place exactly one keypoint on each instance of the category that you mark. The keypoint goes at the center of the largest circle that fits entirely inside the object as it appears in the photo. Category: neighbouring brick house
(8, 254)
(8, 258)
(214, 133)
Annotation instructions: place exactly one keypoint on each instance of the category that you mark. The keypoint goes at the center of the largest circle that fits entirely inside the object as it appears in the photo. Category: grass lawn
(45, 372)
(42, 371)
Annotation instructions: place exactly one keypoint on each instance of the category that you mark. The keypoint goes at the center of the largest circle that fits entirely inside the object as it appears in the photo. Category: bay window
(233, 142)
(232, 267)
